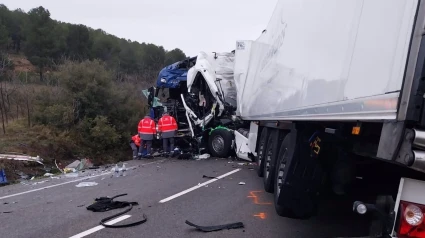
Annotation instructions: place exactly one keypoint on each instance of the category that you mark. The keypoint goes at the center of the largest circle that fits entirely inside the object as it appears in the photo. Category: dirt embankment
(21, 63)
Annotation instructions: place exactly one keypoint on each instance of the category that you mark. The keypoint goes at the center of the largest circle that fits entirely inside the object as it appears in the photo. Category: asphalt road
(57, 208)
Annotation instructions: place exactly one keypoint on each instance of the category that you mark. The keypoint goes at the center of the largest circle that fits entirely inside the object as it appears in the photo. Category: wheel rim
(280, 174)
(218, 143)
(260, 155)
(268, 161)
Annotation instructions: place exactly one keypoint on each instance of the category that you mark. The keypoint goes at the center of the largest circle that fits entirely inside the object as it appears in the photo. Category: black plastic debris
(218, 227)
(104, 204)
(210, 177)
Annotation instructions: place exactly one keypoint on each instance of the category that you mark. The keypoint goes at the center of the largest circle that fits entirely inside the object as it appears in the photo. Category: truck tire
(299, 177)
(270, 156)
(281, 162)
(261, 150)
(220, 143)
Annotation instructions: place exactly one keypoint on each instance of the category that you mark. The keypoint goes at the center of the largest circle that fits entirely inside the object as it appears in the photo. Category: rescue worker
(147, 131)
(167, 126)
(135, 145)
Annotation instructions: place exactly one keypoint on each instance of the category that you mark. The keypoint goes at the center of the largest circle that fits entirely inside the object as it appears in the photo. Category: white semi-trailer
(333, 95)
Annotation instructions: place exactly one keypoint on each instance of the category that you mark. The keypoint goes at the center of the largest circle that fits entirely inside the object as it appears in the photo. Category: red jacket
(167, 123)
(136, 139)
(147, 126)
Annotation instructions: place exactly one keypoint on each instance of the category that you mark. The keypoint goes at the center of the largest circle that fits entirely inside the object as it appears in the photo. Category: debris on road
(78, 165)
(86, 184)
(104, 204)
(8, 212)
(210, 177)
(117, 171)
(21, 157)
(201, 157)
(241, 183)
(71, 175)
(40, 182)
(216, 228)
(48, 174)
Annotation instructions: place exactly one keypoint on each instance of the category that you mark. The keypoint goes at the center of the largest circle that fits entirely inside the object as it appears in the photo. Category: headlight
(163, 80)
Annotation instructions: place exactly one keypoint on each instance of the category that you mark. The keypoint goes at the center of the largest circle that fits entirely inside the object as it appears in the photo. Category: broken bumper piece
(218, 227)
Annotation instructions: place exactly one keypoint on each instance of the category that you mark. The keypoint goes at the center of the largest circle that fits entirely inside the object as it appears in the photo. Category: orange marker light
(356, 130)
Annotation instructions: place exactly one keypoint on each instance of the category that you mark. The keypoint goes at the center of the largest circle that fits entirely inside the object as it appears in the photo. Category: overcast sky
(191, 25)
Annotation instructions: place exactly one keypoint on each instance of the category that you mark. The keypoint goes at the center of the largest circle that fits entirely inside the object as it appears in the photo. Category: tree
(41, 45)
(4, 36)
(19, 19)
(174, 56)
(78, 42)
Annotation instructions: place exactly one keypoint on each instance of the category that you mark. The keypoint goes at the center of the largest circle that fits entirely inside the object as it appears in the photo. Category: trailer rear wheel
(299, 177)
(220, 142)
(270, 156)
(280, 171)
(261, 150)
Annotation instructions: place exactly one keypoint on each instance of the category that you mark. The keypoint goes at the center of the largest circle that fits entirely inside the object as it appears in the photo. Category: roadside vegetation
(68, 91)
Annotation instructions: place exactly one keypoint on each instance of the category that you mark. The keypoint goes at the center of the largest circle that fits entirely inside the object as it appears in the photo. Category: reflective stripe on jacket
(136, 139)
(167, 123)
(146, 126)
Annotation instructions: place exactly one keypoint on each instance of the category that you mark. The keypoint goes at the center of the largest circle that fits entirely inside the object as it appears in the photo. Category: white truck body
(326, 60)
(329, 61)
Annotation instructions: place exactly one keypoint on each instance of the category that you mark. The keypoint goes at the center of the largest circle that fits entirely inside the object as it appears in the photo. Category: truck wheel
(299, 177)
(269, 161)
(220, 142)
(261, 150)
(282, 160)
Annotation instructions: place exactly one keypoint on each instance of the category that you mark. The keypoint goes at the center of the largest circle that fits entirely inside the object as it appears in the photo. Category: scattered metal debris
(218, 227)
(22, 157)
(241, 183)
(86, 184)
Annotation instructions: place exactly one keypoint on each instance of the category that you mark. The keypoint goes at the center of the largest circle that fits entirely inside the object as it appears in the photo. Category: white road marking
(100, 227)
(198, 186)
(73, 181)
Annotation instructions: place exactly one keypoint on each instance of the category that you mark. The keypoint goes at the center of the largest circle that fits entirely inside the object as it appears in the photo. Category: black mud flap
(303, 174)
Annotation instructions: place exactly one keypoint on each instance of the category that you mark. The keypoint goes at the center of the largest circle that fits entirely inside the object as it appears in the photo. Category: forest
(69, 91)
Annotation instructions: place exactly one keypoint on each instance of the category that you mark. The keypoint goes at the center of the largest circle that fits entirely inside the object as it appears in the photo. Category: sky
(191, 25)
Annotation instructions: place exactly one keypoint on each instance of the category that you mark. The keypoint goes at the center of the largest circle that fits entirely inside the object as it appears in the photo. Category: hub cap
(268, 162)
(281, 172)
(260, 155)
(218, 143)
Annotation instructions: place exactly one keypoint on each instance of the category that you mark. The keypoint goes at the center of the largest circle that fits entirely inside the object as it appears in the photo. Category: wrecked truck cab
(211, 102)
(212, 75)
(174, 76)
(202, 98)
